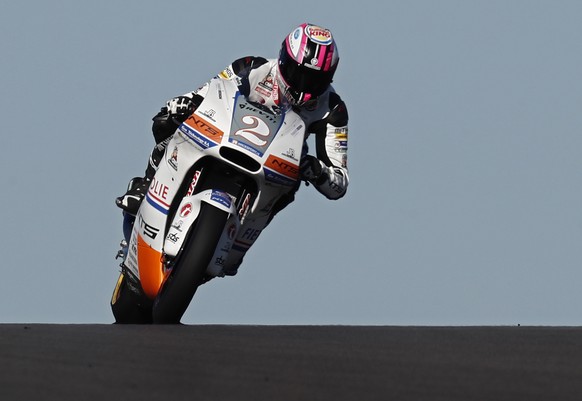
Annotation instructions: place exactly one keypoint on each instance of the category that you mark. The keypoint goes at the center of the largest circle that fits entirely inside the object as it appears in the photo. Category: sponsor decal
(204, 127)
(227, 73)
(275, 94)
(341, 146)
(196, 137)
(246, 240)
(186, 210)
(297, 33)
(159, 189)
(294, 41)
(263, 93)
(210, 113)
(172, 237)
(335, 187)
(226, 246)
(231, 231)
(267, 84)
(148, 230)
(246, 147)
(251, 234)
(341, 133)
(244, 207)
(276, 178)
(193, 183)
(344, 160)
(318, 34)
(201, 131)
(219, 261)
(173, 160)
(283, 167)
(157, 196)
(178, 225)
(264, 114)
(290, 153)
(221, 197)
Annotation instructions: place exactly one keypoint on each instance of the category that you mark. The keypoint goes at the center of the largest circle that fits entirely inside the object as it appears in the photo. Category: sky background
(465, 201)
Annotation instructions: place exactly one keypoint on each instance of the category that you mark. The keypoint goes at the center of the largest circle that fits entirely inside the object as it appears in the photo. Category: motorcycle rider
(300, 79)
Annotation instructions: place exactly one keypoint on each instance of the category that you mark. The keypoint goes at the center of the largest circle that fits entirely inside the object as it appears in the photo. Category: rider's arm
(331, 141)
(178, 108)
(240, 69)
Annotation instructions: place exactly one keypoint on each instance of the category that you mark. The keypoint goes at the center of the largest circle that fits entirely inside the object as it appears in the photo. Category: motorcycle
(225, 169)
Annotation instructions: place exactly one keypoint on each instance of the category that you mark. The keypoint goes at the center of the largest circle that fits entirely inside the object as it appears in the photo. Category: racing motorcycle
(231, 161)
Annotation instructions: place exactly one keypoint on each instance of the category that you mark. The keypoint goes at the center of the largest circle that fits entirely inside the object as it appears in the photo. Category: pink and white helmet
(307, 62)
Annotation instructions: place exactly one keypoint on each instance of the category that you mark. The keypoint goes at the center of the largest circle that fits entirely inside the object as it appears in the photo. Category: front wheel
(188, 272)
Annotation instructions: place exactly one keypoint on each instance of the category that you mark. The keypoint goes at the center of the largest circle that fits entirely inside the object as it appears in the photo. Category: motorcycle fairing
(187, 214)
(273, 141)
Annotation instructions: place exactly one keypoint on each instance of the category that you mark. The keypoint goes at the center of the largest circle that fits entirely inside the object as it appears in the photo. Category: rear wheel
(128, 305)
(189, 271)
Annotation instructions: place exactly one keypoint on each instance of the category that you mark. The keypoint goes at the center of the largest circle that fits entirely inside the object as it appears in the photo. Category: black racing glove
(180, 107)
(311, 169)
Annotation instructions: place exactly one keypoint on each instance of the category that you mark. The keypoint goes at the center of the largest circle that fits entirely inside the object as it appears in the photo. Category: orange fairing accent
(150, 268)
(283, 167)
(205, 127)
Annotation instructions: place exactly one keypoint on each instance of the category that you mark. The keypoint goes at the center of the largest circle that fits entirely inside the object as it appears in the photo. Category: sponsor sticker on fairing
(227, 73)
(221, 197)
(186, 210)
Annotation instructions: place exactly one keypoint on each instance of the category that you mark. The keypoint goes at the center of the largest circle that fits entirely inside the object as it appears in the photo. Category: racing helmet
(307, 62)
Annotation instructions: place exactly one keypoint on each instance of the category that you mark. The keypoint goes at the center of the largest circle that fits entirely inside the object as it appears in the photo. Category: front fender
(187, 214)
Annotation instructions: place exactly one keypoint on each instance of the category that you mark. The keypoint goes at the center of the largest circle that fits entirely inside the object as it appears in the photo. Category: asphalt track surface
(278, 363)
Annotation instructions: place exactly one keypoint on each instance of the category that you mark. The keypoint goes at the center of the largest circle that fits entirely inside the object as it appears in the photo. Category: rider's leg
(163, 127)
(250, 231)
(138, 186)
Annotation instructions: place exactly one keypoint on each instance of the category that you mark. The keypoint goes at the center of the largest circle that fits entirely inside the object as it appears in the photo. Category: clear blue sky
(465, 203)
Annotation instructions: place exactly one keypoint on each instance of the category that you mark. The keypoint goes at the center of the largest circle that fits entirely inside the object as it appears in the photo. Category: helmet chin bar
(288, 95)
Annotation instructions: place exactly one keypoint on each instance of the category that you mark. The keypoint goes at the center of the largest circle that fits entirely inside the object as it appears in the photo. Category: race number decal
(253, 128)
(257, 132)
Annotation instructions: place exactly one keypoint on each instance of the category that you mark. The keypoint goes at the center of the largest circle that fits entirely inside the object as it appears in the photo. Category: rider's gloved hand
(311, 169)
(180, 107)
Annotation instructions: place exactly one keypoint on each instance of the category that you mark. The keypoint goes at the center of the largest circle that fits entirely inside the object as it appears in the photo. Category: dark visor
(303, 79)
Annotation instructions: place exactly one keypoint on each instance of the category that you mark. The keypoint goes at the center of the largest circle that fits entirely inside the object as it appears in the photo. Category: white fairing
(224, 120)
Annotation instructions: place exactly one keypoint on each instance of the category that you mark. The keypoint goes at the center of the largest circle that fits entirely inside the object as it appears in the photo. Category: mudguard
(187, 214)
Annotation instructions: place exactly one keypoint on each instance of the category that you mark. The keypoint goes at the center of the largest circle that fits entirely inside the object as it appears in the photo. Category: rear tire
(128, 306)
(189, 271)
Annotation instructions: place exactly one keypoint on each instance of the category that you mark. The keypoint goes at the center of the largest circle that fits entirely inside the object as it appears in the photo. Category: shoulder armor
(338, 114)
(243, 66)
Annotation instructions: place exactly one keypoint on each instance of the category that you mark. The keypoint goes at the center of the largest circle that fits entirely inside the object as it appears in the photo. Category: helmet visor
(304, 79)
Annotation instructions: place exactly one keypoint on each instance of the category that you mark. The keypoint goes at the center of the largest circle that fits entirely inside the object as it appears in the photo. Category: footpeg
(123, 251)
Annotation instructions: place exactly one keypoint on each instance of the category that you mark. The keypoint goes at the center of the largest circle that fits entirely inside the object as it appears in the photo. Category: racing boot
(136, 191)
(138, 186)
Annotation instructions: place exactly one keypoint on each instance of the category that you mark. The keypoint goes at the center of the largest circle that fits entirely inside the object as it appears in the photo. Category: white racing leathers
(325, 117)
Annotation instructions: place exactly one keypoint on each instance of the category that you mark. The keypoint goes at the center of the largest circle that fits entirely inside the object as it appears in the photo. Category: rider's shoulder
(329, 107)
(338, 114)
(243, 66)
(334, 100)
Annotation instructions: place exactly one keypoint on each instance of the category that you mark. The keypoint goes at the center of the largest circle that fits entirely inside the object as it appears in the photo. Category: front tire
(189, 271)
